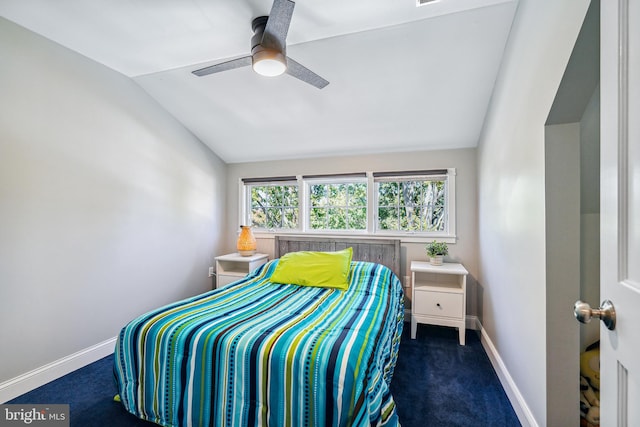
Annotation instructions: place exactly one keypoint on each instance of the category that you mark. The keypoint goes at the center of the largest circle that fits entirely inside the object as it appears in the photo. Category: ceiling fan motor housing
(276, 57)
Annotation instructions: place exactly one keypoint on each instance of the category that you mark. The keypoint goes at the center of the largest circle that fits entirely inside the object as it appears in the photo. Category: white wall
(108, 207)
(511, 195)
(464, 160)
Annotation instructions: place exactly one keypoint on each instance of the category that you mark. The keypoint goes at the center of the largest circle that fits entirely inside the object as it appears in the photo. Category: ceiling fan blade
(306, 75)
(275, 32)
(223, 66)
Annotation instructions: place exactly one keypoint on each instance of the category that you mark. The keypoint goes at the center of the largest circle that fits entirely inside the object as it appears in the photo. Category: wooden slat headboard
(381, 251)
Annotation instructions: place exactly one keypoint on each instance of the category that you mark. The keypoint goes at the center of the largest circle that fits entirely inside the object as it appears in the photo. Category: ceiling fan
(268, 49)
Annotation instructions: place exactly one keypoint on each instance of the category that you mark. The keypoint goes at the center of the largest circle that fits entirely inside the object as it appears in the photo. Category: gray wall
(562, 213)
(108, 206)
(590, 214)
(511, 208)
(464, 160)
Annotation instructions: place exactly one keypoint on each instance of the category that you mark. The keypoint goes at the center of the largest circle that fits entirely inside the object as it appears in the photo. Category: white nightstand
(232, 267)
(439, 296)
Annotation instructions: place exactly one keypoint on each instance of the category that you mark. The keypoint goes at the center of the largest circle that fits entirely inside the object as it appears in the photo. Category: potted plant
(436, 252)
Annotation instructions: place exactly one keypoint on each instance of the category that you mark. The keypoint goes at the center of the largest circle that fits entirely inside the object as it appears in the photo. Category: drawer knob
(438, 304)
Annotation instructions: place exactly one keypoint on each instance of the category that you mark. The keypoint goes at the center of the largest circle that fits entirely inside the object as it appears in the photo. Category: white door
(620, 211)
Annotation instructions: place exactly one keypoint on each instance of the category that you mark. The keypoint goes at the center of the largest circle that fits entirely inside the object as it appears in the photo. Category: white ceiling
(402, 77)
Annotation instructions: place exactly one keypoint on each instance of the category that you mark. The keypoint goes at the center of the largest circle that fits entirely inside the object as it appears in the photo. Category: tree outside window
(338, 206)
(274, 206)
(412, 205)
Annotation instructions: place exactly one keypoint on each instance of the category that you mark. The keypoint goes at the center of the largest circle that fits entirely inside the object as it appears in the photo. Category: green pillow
(307, 268)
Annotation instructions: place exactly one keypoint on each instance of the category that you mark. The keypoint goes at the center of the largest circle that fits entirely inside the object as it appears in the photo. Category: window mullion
(372, 202)
(303, 213)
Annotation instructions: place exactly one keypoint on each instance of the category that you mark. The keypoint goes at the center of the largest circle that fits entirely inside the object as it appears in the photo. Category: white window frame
(448, 235)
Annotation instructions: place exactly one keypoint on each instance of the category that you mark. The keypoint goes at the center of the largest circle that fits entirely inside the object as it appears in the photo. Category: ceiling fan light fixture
(269, 49)
(269, 63)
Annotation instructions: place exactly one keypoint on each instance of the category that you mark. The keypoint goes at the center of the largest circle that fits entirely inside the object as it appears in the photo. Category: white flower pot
(437, 260)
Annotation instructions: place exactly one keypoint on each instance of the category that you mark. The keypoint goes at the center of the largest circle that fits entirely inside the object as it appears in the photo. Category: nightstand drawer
(441, 304)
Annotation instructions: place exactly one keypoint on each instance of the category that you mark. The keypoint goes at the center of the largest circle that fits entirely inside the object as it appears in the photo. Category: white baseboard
(520, 406)
(40, 376)
(472, 322)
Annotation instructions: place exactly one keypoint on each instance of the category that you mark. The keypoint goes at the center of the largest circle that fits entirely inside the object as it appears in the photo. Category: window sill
(404, 238)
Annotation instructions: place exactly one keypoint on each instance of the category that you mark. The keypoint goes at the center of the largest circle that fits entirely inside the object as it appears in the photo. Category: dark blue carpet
(440, 383)
(436, 383)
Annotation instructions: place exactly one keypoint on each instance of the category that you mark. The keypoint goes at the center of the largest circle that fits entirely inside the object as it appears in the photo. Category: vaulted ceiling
(402, 77)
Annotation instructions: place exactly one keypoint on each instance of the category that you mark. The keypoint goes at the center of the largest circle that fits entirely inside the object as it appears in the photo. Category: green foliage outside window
(412, 206)
(340, 206)
(274, 206)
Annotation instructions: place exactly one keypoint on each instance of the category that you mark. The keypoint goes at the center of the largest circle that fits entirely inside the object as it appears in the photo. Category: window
(337, 203)
(405, 203)
(412, 202)
(273, 204)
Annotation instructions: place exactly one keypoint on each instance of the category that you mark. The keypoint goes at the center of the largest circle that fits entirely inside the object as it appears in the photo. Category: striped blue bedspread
(255, 353)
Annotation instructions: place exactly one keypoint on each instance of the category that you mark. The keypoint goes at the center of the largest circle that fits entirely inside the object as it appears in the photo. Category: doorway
(572, 174)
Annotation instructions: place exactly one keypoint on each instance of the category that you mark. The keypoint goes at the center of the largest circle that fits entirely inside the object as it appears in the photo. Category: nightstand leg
(414, 327)
(461, 335)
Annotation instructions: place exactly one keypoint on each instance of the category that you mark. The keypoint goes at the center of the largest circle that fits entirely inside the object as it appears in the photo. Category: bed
(257, 352)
